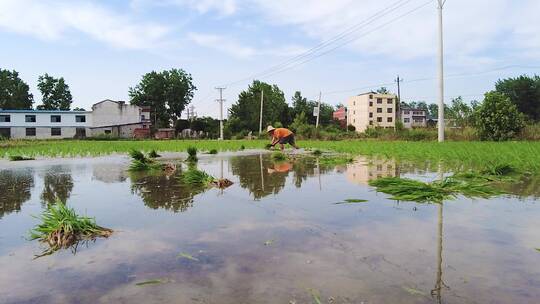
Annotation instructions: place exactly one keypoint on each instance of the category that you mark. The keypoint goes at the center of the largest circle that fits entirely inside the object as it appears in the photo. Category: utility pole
(261, 115)
(220, 100)
(318, 111)
(441, 71)
(398, 103)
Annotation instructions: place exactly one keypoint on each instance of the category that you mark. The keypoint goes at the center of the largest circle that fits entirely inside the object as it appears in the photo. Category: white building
(413, 118)
(107, 117)
(371, 110)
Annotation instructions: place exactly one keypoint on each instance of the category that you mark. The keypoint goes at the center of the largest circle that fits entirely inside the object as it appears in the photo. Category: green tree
(79, 109)
(460, 112)
(55, 94)
(497, 118)
(167, 93)
(244, 114)
(14, 93)
(524, 92)
(383, 90)
(302, 105)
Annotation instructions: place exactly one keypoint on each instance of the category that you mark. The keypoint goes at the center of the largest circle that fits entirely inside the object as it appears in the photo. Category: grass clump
(192, 154)
(153, 154)
(405, 189)
(317, 152)
(242, 147)
(213, 151)
(61, 227)
(278, 156)
(19, 158)
(197, 177)
(139, 162)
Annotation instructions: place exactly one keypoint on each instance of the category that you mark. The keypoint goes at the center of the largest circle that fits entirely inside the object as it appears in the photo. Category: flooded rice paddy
(284, 232)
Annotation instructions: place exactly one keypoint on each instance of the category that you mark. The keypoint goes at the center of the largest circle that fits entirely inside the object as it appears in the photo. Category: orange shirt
(281, 133)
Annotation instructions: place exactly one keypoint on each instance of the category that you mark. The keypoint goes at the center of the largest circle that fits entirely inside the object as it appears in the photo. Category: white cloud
(55, 20)
(222, 7)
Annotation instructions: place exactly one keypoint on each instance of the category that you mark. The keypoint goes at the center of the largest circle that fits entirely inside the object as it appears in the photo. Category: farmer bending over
(281, 136)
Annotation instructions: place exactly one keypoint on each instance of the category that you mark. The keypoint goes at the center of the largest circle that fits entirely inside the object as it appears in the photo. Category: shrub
(497, 118)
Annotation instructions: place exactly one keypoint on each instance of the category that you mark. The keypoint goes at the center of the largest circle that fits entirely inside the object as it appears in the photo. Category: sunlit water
(275, 236)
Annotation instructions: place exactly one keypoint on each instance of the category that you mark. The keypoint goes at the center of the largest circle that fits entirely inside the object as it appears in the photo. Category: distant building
(340, 115)
(371, 110)
(107, 117)
(413, 118)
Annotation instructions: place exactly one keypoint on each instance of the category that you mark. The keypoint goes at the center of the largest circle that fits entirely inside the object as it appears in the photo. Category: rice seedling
(213, 151)
(278, 156)
(317, 152)
(499, 170)
(404, 189)
(351, 201)
(242, 147)
(153, 154)
(19, 158)
(139, 162)
(187, 256)
(268, 146)
(194, 176)
(61, 227)
(192, 154)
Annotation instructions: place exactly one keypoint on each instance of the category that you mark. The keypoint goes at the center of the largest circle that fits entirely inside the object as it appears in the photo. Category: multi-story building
(371, 110)
(413, 118)
(107, 117)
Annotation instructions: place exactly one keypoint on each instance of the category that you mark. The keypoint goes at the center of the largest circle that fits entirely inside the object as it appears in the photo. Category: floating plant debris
(315, 295)
(150, 282)
(268, 243)
(405, 189)
(192, 154)
(413, 291)
(537, 249)
(351, 201)
(62, 228)
(19, 158)
(187, 256)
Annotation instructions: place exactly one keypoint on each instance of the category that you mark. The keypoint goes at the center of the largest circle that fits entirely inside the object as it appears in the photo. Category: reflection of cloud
(109, 173)
(364, 170)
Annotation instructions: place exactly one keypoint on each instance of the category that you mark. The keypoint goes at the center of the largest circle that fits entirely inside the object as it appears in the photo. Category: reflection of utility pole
(262, 175)
(220, 100)
(439, 283)
(441, 72)
(319, 174)
(221, 171)
(261, 115)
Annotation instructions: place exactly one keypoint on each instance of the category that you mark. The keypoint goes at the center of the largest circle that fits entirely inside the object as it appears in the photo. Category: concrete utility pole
(220, 100)
(441, 71)
(318, 111)
(398, 103)
(261, 115)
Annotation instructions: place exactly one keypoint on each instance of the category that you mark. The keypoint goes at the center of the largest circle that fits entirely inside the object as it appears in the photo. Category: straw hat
(270, 129)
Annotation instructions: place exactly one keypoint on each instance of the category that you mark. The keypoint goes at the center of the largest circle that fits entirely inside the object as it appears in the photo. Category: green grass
(19, 158)
(335, 160)
(523, 155)
(404, 189)
(61, 227)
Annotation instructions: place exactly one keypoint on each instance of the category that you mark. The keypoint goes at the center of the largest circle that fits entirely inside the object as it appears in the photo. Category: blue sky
(102, 48)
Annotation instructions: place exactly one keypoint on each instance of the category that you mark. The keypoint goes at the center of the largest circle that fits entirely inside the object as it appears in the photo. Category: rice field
(523, 155)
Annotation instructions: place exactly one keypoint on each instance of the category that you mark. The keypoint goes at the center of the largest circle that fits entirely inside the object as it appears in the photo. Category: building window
(354, 103)
(390, 100)
(80, 118)
(56, 118)
(371, 122)
(379, 100)
(30, 131)
(30, 118)
(370, 114)
(56, 131)
(370, 96)
(388, 110)
(371, 103)
(354, 120)
(5, 118)
(80, 132)
(406, 120)
(389, 119)
(354, 112)
(379, 110)
(107, 131)
(379, 119)
(406, 112)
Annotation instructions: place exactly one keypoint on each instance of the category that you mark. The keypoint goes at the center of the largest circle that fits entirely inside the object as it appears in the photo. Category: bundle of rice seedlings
(213, 151)
(317, 152)
(194, 176)
(278, 156)
(137, 155)
(192, 154)
(140, 162)
(153, 154)
(61, 227)
(499, 170)
(268, 146)
(242, 147)
(19, 158)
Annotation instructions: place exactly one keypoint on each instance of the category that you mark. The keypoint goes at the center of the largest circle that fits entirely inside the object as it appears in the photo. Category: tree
(524, 92)
(14, 93)
(302, 105)
(167, 93)
(460, 112)
(497, 118)
(383, 90)
(244, 114)
(55, 94)
(79, 109)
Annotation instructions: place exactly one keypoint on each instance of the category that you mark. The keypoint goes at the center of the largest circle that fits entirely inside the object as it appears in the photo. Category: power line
(272, 70)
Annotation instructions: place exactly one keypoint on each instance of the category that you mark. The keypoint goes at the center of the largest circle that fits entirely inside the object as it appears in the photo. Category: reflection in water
(364, 170)
(163, 191)
(108, 173)
(15, 189)
(253, 173)
(439, 284)
(57, 185)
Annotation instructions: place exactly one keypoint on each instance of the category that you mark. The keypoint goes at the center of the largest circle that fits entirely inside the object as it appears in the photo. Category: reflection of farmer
(280, 167)
(281, 136)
